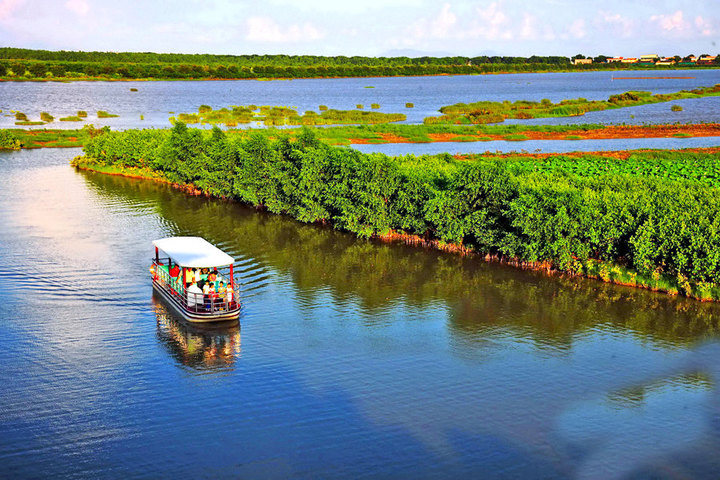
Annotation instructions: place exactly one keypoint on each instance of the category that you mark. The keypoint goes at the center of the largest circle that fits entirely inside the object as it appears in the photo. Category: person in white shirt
(194, 295)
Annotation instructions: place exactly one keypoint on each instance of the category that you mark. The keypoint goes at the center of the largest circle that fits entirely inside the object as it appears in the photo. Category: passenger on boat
(189, 276)
(229, 293)
(174, 271)
(194, 295)
(196, 275)
(212, 276)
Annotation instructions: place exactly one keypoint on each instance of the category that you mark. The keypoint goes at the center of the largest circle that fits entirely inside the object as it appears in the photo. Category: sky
(627, 28)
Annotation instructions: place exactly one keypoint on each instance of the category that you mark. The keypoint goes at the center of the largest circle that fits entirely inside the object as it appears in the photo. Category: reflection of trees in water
(482, 297)
(203, 347)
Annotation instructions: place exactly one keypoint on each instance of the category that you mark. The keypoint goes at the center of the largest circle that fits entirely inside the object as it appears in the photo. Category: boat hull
(195, 317)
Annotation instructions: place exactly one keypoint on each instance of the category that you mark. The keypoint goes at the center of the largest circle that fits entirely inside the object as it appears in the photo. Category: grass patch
(496, 112)
(515, 137)
(133, 89)
(46, 117)
(375, 105)
(29, 122)
(71, 118)
(676, 108)
(104, 114)
(409, 105)
(82, 113)
(681, 135)
(573, 137)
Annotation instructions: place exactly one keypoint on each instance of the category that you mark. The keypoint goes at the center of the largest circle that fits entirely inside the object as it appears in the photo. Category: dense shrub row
(648, 223)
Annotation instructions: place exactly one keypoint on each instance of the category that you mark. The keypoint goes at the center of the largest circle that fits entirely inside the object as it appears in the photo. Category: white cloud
(704, 26)
(528, 30)
(264, 29)
(442, 25)
(577, 29)
(669, 23)
(7, 7)
(617, 23)
(80, 7)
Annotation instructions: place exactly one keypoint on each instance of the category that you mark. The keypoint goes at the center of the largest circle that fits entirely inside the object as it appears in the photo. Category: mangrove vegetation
(628, 221)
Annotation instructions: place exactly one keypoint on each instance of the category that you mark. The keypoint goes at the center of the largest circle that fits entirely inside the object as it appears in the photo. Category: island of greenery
(651, 219)
(26, 64)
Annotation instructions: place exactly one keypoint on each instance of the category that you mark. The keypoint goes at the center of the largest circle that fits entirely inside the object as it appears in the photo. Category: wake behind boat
(195, 278)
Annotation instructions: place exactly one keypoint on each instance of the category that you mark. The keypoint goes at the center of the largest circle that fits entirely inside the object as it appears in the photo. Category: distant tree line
(35, 64)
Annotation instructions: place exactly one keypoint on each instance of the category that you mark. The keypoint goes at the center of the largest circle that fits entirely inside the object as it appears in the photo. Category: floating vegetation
(29, 122)
(375, 105)
(204, 108)
(142, 117)
(104, 114)
(46, 117)
(274, 115)
(369, 86)
(82, 113)
(133, 89)
(409, 105)
(8, 141)
(496, 112)
(359, 106)
(21, 117)
(71, 118)
(676, 108)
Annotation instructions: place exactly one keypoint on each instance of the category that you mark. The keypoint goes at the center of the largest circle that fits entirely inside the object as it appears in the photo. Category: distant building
(582, 61)
(706, 59)
(666, 61)
(628, 60)
(614, 59)
(649, 58)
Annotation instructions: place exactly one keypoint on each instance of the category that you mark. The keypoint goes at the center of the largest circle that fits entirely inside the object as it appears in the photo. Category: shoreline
(73, 138)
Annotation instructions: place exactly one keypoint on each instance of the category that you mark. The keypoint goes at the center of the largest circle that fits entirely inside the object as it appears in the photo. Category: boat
(180, 270)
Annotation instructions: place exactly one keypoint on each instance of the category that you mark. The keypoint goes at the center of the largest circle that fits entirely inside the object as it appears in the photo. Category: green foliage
(20, 116)
(274, 115)
(104, 114)
(676, 108)
(71, 118)
(375, 105)
(82, 113)
(46, 117)
(496, 112)
(655, 212)
(9, 141)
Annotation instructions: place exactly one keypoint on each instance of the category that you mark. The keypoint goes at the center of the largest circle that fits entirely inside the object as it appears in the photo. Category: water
(155, 100)
(352, 359)
(537, 146)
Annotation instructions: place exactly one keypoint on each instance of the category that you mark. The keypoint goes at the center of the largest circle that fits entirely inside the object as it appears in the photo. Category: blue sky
(367, 27)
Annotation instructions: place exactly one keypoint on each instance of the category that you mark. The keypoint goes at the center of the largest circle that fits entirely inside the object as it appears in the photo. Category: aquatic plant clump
(566, 213)
(496, 112)
(104, 114)
(275, 115)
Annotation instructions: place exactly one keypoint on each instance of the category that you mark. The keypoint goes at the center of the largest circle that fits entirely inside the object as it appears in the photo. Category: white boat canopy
(193, 252)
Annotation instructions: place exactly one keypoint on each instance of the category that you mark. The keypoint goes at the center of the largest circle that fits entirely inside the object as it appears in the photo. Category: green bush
(639, 213)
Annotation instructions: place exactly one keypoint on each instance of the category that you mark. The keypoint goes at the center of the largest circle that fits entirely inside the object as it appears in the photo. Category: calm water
(533, 146)
(154, 100)
(353, 359)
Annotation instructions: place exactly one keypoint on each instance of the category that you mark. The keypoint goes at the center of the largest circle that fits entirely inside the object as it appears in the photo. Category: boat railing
(199, 303)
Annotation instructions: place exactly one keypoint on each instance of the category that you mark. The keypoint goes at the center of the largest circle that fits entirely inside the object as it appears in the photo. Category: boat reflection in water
(199, 346)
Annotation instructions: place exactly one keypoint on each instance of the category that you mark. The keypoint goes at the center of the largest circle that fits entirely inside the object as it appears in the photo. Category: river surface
(155, 101)
(352, 358)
